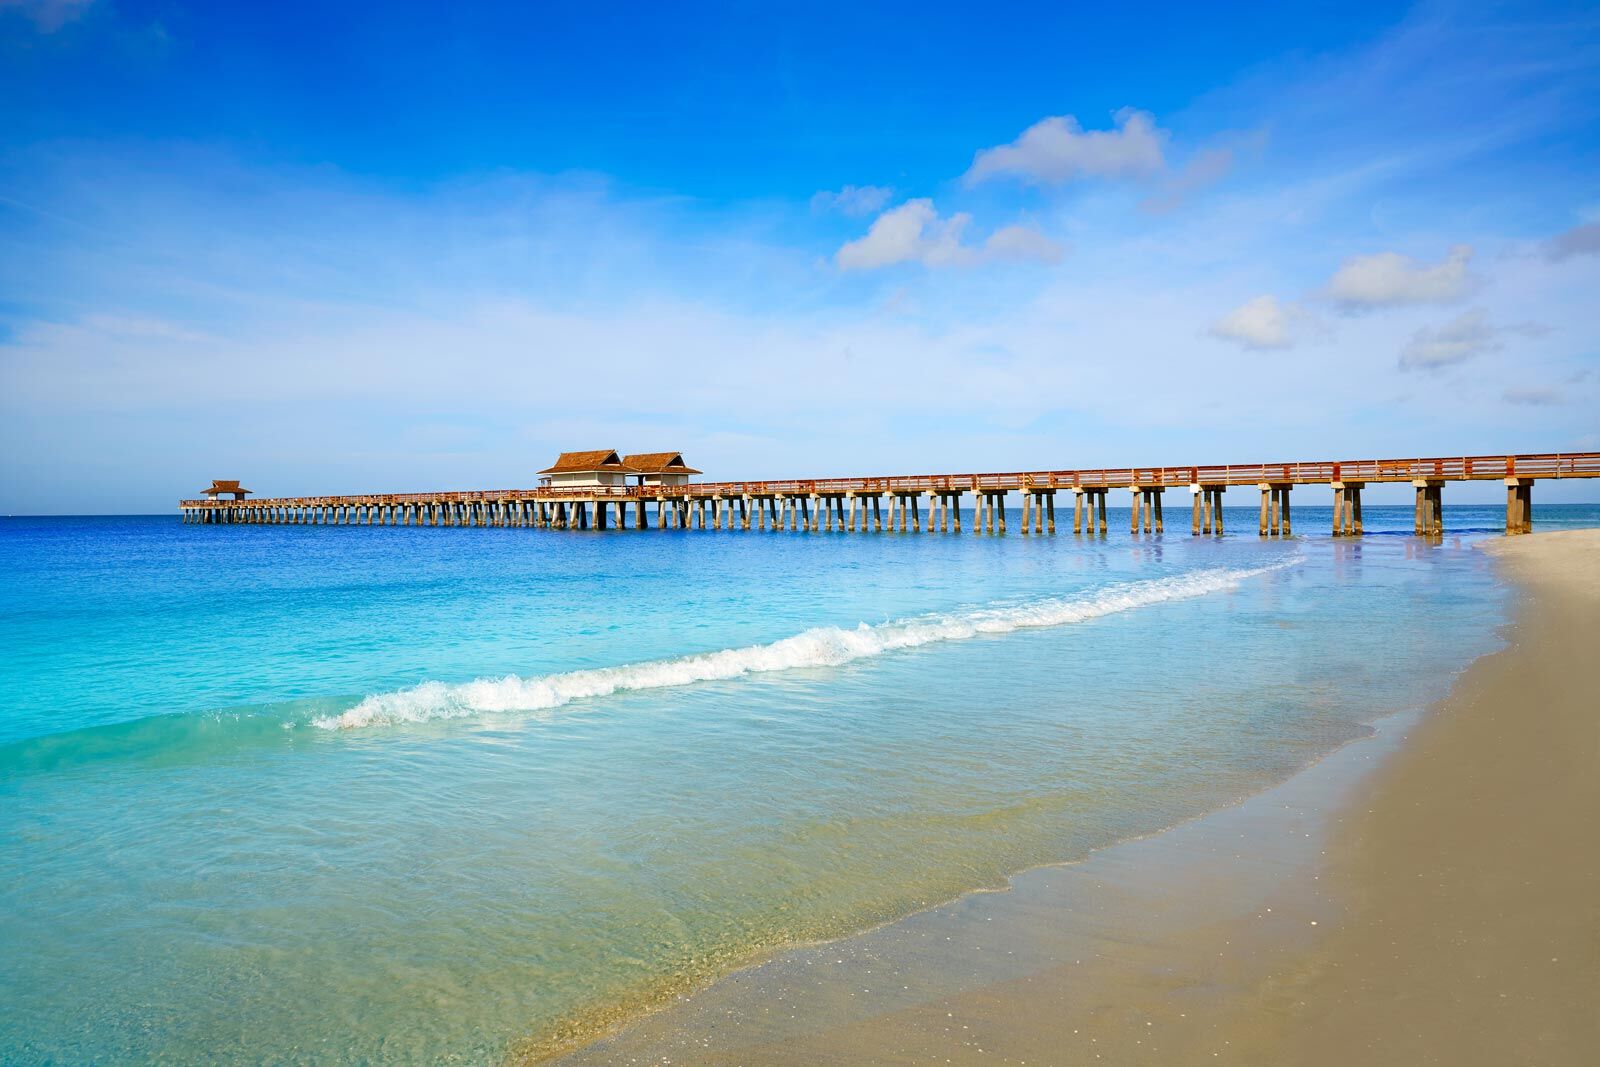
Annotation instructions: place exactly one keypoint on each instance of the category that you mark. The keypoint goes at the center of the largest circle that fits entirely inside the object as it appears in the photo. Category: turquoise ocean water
(304, 794)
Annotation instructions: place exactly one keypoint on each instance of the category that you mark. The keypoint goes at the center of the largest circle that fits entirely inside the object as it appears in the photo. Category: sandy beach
(1427, 895)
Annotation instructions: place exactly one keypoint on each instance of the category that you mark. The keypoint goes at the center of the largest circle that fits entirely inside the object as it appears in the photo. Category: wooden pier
(896, 503)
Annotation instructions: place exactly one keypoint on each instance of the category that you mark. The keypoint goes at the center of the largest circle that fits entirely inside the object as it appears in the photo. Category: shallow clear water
(268, 793)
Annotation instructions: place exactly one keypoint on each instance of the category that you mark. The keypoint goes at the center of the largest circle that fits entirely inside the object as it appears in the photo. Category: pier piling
(808, 505)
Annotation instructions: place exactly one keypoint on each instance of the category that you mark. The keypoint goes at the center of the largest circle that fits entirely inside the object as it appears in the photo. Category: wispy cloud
(1205, 169)
(853, 199)
(1579, 241)
(1467, 335)
(1534, 396)
(47, 16)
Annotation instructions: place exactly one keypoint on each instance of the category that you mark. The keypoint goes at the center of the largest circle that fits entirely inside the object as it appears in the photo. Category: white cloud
(914, 232)
(1463, 337)
(1057, 149)
(852, 199)
(1390, 279)
(1579, 241)
(911, 232)
(1262, 323)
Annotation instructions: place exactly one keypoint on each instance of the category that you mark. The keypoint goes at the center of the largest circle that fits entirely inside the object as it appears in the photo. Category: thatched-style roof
(219, 485)
(659, 463)
(600, 461)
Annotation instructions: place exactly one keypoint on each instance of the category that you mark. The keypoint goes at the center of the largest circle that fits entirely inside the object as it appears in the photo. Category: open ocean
(290, 794)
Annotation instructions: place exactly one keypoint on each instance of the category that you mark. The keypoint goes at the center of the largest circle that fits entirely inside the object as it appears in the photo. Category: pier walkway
(897, 502)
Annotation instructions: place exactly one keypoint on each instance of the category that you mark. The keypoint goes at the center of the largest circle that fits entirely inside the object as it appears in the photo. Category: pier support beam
(1430, 507)
(1519, 505)
(1347, 509)
(1036, 504)
(1089, 511)
(1275, 509)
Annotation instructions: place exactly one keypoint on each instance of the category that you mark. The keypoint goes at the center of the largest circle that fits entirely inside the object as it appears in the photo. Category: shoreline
(1210, 938)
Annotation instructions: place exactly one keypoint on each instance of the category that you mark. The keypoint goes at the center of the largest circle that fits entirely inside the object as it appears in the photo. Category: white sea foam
(825, 646)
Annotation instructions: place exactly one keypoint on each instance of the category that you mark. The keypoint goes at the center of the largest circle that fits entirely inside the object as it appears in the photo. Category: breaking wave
(824, 646)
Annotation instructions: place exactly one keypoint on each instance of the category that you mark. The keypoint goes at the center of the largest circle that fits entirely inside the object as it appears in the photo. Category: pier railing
(1444, 468)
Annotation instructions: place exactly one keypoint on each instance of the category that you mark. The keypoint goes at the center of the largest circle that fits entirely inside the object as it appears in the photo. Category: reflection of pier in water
(897, 503)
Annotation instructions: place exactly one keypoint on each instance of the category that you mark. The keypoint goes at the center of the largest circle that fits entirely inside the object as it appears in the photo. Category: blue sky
(390, 247)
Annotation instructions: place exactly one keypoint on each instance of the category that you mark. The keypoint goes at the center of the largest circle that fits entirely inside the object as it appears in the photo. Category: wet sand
(1428, 895)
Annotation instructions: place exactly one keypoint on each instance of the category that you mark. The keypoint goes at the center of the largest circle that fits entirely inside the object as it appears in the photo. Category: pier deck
(857, 504)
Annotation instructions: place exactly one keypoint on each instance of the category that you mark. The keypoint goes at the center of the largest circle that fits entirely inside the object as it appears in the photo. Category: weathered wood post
(1519, 505)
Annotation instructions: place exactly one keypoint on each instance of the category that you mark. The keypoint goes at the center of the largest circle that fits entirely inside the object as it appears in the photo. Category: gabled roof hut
(587, 470)
(599, 461)
(220, 486)
(659, 463)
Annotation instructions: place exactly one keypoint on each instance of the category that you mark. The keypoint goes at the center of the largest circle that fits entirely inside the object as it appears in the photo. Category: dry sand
(1431, 895)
